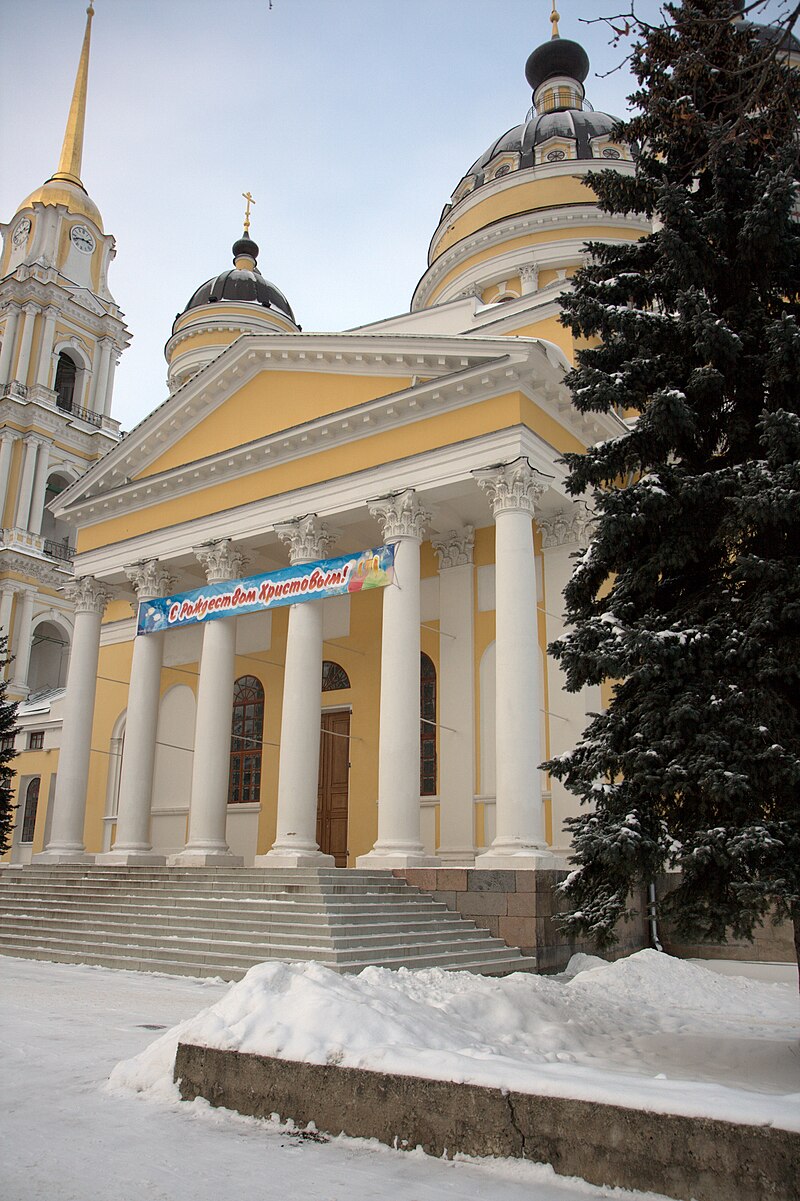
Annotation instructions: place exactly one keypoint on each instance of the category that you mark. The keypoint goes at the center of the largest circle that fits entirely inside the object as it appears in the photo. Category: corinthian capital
(150, 579)
(570, 527)
(307, 538)
(455, 549)
(87, 594)
(220, 561)
(401, 515)
(511, 487)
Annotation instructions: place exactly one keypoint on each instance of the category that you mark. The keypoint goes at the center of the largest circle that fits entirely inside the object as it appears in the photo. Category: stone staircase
(222, 921)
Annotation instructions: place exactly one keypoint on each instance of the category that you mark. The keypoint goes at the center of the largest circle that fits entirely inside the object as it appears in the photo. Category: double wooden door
(334, 775)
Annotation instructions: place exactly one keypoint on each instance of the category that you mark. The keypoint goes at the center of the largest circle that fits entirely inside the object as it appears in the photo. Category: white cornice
(555, 220)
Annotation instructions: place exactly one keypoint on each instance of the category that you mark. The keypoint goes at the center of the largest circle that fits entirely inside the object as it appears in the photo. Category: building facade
(392, 726)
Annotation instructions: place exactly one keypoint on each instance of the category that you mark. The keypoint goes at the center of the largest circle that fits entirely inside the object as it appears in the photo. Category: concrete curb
(693, 1159)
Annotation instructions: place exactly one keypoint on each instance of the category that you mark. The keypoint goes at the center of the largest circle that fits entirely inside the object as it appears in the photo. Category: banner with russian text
(306, 581)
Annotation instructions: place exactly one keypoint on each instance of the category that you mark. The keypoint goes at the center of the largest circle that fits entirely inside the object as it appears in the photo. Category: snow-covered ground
(66, 1132)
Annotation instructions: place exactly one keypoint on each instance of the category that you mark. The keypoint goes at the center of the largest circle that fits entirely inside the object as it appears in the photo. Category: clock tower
(61, 334)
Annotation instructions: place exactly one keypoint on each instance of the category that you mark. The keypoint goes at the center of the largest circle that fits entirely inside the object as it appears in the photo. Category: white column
(25, 488)
(456, 697)
(7, 592)
(69, 804)
(109, 392)
(38, 489)
(520, 840)
(22, 637)
(529, 278)
(208, 811)
(23, 363)
(9, 343)
(563, 534)
(43, 374)
(132, 842)
(7, 440)
(399, 844)
(298, 772)
(100, 371)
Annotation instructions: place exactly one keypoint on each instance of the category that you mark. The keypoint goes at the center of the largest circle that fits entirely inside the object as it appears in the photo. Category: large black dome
(241, 287)
(578, 125)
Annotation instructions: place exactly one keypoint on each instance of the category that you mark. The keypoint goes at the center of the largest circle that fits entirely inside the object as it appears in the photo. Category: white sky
(350, 121)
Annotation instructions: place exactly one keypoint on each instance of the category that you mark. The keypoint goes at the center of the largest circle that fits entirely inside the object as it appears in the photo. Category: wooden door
(334, 775)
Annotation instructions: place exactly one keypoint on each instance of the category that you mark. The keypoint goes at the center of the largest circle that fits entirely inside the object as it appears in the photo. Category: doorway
(334, 775)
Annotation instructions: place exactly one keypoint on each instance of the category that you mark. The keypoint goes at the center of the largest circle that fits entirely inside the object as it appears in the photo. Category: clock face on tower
(82, 239)
(22, 231)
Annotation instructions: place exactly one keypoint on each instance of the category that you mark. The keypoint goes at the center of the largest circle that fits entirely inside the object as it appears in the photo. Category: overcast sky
(350, 121)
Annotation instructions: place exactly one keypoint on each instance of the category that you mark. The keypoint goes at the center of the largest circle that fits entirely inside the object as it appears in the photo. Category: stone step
(174, 876)
(204, 887)
(354, 909)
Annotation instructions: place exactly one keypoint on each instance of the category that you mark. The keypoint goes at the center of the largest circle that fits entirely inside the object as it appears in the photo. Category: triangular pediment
(86, 300)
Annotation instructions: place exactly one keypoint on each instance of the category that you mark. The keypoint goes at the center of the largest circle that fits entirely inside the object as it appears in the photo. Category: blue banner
(306, 581)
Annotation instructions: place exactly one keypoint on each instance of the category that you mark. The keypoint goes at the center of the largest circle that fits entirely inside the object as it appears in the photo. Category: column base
(289, 858)
(456, 856)
(525, 859)
(205, 859)
(56, 857)
(123, 858)
(387, 860)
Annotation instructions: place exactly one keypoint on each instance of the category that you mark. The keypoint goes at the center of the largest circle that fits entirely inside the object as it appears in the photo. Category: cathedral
(177, 705)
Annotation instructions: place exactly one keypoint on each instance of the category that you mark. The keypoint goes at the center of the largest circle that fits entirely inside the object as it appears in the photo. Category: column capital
(31, 307)
(455, 548)
(511, 487)
(568, 527)
(401, 515)
(307, 538)
(7, 435)
(529, 277)
(150, 579)
(219, 560)
(87, 594)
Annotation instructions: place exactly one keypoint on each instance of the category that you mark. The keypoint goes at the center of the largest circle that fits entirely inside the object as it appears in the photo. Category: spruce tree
(688, 598)
(8, 727)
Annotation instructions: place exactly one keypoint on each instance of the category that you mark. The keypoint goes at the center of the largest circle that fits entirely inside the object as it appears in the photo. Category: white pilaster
(399, 844)
(6, 603)
(22, 637)
(132, 842)
(89, 597)
(563, 534)
(25, 488)
(23, 363)
(44, 370)
(7, 440)
(520, 842)
(9, 345)
(109, 392)
(298, 776)
(98, 397)
(38, 490)
(208, 812)
(456, 697)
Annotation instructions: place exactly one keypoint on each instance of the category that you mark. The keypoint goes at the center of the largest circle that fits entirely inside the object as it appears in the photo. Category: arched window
(427, 727)
(247, 731)
(334, 677)
(31, 805)
(66, 378)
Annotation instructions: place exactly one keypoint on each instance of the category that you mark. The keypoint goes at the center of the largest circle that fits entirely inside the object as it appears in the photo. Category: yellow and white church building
(391, 726)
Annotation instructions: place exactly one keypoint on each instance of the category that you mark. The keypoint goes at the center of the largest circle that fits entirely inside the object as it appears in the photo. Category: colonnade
(512, 489)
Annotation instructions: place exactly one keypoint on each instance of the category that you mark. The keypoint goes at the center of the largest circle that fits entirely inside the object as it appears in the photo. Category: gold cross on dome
(250, 200)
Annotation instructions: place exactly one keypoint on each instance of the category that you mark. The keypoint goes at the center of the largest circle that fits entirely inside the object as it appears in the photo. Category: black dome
(245, 245)
(241, 287)
(577, 125)
(773, 35)
(559, 56)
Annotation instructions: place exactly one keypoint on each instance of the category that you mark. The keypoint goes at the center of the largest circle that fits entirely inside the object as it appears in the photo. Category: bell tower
(61, 334)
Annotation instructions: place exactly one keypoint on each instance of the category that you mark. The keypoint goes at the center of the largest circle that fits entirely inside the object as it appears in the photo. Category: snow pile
(634, 1032)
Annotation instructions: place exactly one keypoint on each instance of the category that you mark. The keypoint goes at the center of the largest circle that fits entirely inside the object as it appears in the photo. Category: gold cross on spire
(555, 17)
(250, 200)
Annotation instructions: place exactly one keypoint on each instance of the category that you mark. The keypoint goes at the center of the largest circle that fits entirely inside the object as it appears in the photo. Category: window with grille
(31, 805)
(7, 742)
(334, 677)
(36, 740)
(247, 731)
(427, 727)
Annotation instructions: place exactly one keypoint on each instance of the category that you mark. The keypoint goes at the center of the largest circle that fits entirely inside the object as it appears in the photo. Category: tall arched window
(66, 377)
(427, 726)
(247, 730)
(31, 805)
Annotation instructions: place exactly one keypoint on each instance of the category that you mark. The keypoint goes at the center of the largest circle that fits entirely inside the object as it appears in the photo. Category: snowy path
(64, 1028)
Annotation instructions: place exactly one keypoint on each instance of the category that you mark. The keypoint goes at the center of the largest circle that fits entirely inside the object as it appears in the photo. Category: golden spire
(69, 165)
(246, 196)
(555, 17)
